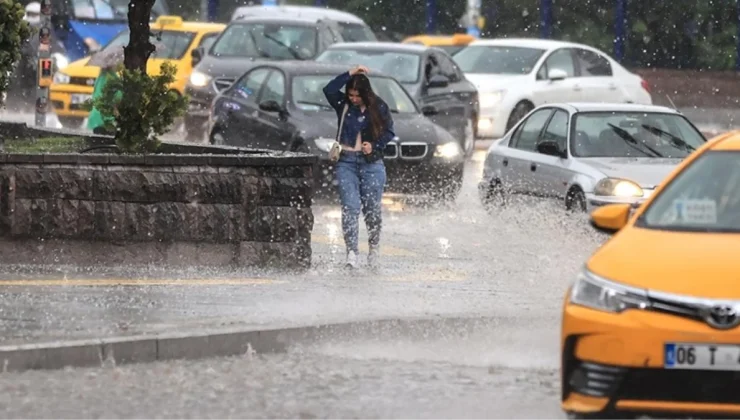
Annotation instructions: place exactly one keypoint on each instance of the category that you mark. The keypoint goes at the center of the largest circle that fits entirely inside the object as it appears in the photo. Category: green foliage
(14, 31)
(143, 107)
(46, 145)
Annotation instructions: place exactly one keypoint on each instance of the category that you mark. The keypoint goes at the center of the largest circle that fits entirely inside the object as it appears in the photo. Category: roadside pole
(45, 64)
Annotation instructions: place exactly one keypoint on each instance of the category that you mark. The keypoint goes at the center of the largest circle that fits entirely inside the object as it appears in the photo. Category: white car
(586, 155)
(513, 76)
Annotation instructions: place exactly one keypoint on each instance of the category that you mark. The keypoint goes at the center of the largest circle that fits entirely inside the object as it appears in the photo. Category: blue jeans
(361, 186)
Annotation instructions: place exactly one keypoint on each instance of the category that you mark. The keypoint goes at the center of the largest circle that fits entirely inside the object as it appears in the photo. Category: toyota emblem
(722, 316)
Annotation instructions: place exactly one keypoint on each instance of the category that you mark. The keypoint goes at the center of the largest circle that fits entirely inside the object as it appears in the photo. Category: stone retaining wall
(160, 209)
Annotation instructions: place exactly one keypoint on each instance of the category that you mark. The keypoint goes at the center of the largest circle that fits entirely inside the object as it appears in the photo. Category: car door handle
(533, 166)
(506, 162)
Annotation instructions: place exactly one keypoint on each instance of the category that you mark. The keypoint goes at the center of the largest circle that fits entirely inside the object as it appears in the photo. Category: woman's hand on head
(359, 69)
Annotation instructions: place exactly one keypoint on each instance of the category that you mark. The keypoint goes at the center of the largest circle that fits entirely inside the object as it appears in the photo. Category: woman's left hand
(367, 148)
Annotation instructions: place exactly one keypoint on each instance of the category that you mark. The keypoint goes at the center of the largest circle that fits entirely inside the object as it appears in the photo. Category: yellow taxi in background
(652, 323)
(73, 86)
(449, 43)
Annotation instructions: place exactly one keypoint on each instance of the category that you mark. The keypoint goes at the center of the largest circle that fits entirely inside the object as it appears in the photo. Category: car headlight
(597, 293)
(199, 79)
(324, 143)
(491, 99)
(448, 150)
(61, 78)
(60, 60)
(618, 188)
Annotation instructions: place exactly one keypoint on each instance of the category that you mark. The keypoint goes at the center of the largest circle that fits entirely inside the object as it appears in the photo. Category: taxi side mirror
(611, 217)
(196, 55)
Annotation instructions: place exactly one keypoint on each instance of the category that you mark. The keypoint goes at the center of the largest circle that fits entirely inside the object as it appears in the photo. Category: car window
(262, 40)
(403, 66)
(308, 95)
(355, 32)
(705, 197)
(633, 134)
(207, 40)
(249, 86)
(274, 88)
(561, 59)
(527, 136)
(557, 130)
(592, 64)
(447, 67)
(497, 59)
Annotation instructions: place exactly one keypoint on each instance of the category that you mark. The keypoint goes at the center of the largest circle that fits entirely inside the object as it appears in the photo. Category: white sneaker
(373, 258)
(351, 260)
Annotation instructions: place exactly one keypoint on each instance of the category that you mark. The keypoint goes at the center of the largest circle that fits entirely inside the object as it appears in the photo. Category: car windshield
(110, 9)
(403, 67)
(497, 59)
(354, 32)
(267, 40)
(170, 45)
(450, 49)
(705, 197)
(308, 93)
(632, 134)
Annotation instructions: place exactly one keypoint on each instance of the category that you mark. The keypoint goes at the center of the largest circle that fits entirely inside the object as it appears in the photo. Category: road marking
(140, 282)
(384, 249)
(431, 276)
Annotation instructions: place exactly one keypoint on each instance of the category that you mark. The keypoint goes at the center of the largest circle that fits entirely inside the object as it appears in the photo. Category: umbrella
(108, 58)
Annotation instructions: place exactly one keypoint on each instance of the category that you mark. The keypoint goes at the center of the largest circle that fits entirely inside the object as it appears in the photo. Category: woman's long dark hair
(361, 84)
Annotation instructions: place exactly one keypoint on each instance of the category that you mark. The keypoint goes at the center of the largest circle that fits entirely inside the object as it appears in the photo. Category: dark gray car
(281, 106)
(435, 82)
(250, 41)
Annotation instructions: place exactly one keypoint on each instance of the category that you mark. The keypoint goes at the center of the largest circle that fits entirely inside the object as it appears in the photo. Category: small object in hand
(367, 148)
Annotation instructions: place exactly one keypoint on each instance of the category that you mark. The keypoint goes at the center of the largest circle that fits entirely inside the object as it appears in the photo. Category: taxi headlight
(199, 79)
(618, 188)
(597, 293)
(448, 150)
(491, 99)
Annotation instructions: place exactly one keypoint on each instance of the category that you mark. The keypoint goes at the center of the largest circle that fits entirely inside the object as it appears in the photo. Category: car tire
(217, 138)
(494, 196)
(194, 130)
(520, 110)
(575, 200)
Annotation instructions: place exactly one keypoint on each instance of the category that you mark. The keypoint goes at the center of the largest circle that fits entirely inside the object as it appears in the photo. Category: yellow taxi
(652, 323)
(449, 43)
(73, 86)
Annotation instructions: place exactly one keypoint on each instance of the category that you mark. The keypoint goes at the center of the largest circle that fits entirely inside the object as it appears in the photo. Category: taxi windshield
(705, 197)
(170, 45)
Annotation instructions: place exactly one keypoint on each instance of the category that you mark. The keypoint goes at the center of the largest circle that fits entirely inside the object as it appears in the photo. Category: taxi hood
(695, 264)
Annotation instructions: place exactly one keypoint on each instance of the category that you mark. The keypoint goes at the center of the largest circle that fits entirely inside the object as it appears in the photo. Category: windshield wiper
(675, 141)
(292, 52)
(628, 139)
(314, 104)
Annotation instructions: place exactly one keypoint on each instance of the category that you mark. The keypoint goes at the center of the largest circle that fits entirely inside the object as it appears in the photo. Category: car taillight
(645, 85)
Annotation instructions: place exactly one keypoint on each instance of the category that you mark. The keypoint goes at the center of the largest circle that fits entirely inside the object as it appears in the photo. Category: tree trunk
(137, 53)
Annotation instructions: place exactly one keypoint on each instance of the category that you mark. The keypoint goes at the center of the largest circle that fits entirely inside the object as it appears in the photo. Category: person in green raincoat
(96, 121)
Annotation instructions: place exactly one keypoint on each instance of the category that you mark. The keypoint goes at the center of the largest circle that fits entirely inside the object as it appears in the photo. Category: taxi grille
(595, 380)
(82, 81)
(698, 386)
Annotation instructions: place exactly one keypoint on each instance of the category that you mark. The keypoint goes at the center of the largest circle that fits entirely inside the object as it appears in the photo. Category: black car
(281, 106)
(435, 82)
(247, 42)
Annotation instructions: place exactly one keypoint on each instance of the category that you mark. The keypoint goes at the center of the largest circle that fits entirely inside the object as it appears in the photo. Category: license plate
(694, 356)
(80, 99)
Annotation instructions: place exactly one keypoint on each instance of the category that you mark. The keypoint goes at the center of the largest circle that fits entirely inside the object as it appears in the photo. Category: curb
(201, 344)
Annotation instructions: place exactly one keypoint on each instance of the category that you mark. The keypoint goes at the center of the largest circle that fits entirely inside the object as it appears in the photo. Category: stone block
(140, 222)
(295, 192)
(211, 188)
(110, 219)
(86, 220)
(137, 186)
(272, 224)
(219, 223)
(63, 218)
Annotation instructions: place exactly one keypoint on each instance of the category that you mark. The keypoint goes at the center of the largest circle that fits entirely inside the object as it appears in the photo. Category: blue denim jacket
(356, 121)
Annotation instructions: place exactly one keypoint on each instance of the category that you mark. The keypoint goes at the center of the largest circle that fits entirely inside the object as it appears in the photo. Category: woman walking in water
(365, 127)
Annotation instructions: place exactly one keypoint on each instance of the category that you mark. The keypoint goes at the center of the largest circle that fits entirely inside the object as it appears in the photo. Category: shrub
(14, 31)
(144, 109)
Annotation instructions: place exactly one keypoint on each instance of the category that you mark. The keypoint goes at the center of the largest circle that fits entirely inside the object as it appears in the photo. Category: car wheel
(468, 137)
(194, 130)
(217, 138)
(493, 196)
(520, 110)
(575, 201)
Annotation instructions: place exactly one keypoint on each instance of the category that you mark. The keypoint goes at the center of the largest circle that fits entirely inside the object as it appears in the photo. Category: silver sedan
(588, 155)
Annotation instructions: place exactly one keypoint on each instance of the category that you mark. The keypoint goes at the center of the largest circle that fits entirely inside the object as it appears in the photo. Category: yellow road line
(138, 282)
(431, 276)
(384, 249)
